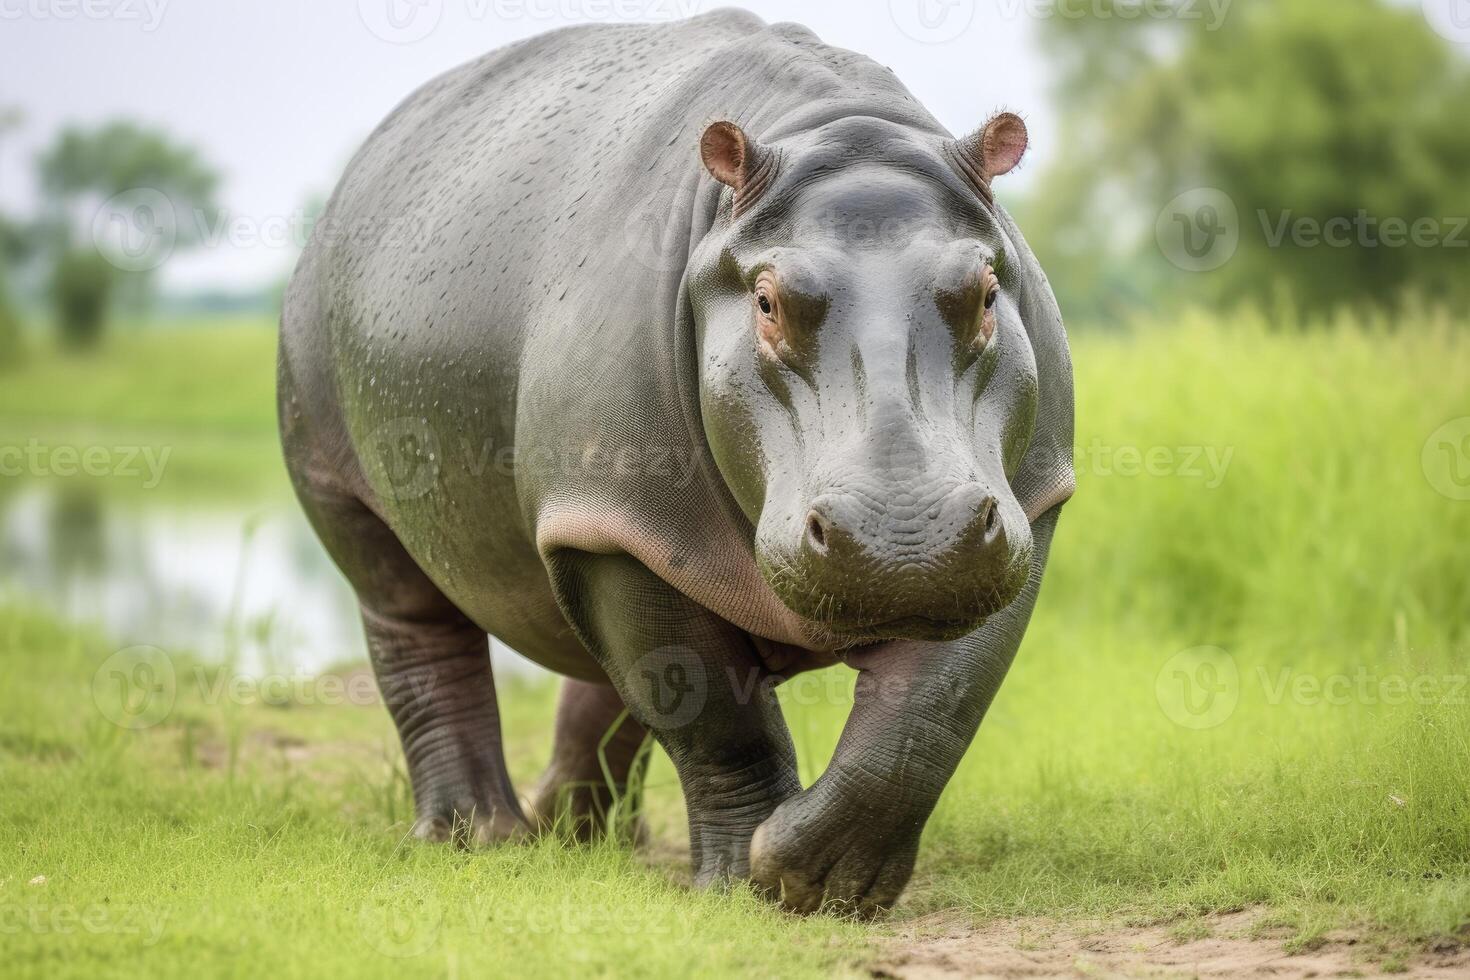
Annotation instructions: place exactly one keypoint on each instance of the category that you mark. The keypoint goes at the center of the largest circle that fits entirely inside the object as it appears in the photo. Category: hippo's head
(866, 382)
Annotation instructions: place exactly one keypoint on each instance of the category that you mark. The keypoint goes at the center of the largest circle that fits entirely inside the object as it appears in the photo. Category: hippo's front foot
(835, 848)
(727, 801)
(459, 798)
(682, 673)
(850, 840)
(469, 825)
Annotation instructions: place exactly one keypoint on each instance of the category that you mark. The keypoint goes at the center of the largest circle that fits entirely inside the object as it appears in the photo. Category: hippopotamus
(683, 358)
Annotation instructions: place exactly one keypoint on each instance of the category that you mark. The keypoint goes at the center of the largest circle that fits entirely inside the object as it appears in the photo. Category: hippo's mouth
(905, 628)
(842, 627)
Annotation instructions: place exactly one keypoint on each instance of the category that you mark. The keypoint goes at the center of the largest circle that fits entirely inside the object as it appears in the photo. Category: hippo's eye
(767, 323)
(992, 287)
(765, 294)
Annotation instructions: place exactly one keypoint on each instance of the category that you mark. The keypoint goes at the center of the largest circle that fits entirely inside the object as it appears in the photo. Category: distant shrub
(9, 334)
(80, 289)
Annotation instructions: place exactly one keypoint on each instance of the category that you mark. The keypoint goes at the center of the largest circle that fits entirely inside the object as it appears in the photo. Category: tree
(1331, 126)
(128, 195)
(12, 250)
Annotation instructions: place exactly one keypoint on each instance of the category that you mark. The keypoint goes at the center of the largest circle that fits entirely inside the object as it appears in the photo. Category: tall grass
(1329, 572)
(1284, 562)
(1244, 685)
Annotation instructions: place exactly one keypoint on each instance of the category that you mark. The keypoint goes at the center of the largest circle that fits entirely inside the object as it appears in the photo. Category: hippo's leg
(851, 838)
(695, 682)
(597, 745)
(433, 670)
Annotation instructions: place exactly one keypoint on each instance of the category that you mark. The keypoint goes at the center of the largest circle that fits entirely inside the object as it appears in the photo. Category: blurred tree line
(1338, 129)
(12, 251)
(117, 200)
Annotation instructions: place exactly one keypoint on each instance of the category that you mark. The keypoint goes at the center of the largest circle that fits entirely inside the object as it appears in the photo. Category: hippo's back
(490, 189)
(481, 287)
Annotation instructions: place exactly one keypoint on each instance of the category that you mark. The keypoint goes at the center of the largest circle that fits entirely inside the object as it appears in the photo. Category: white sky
(278, 93)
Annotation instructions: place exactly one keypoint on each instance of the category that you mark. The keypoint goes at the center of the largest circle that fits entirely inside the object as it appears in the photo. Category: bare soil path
(1237, 945)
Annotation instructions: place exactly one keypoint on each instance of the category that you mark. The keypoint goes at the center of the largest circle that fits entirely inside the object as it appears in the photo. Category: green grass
(204, 394)
(268, 839)
(243, 839)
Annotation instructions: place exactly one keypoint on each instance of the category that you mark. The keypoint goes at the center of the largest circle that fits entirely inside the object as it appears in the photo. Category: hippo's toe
(471, 827)
(809, 862)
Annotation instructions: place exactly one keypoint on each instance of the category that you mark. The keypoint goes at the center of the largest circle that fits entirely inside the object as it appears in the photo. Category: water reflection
(247, 585)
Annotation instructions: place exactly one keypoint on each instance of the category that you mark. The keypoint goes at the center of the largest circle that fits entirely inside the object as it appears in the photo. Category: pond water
(245, 584)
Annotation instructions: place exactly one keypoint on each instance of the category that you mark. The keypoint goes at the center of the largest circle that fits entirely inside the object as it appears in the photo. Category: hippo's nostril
(988, 515)
(816, 532)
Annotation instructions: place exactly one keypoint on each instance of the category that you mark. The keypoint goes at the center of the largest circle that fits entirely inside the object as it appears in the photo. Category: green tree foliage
(81, 171)
(1332, 125)
(9, 327)
(123, 156)
(13, 245)
(81, 286)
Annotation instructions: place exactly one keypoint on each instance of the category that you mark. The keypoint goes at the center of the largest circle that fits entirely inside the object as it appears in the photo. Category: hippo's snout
(843, 524)
(915, 565)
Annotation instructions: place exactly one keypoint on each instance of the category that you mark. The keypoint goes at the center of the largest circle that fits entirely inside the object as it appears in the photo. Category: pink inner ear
(722, 147)
(1002, 144)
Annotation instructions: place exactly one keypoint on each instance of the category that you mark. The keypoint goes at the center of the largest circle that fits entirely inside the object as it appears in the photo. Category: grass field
(1245, 687)
(204, 394)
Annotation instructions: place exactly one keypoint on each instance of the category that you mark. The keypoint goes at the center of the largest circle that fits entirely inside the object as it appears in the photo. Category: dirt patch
(1234, 945)
(267, 745)
(214, 753)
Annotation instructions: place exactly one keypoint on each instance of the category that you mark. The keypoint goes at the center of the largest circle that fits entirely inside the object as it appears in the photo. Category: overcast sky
(278, 93)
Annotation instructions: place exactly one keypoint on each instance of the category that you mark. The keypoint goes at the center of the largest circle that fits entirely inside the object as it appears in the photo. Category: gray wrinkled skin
(526, 388)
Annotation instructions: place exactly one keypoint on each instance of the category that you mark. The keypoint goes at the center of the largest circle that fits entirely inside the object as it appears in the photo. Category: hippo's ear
(737, 161)
(995, 148)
